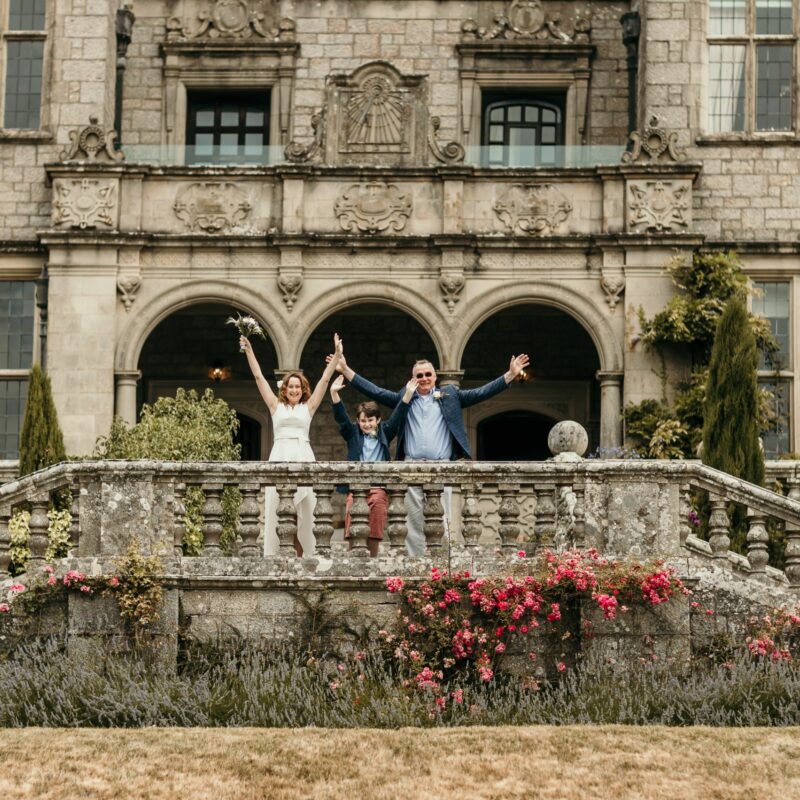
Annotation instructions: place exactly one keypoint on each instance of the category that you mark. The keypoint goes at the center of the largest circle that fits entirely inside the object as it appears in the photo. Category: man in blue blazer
(434, 429)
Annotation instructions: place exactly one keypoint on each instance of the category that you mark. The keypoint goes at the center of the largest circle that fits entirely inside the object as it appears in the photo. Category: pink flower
(521, 554)
(16, 588)
(52, 580)
(48, 569)
(561, 666)
(499, 648)
(457, 696)
(86, 589)
(113, 581)
(394, 585)
(709, 612)
(4, 607)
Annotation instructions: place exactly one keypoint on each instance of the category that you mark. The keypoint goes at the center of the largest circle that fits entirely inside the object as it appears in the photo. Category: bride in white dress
(292, 410)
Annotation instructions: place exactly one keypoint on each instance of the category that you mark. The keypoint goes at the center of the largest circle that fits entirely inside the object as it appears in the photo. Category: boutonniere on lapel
(437, 395)
(373, 434)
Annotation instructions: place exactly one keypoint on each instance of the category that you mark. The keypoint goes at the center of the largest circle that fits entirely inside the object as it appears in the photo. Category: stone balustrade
(639, 509)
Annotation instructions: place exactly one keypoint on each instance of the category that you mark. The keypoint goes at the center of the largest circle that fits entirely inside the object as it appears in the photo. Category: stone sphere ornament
(568, 440)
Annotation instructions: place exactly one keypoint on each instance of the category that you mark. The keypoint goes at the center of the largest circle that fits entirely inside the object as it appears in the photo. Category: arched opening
(381, 343)
(563, 385)
(514, 436)
(194, 348)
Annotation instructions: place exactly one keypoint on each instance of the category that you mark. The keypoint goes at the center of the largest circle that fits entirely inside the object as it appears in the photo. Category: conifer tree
(41, 442)
(730, 431)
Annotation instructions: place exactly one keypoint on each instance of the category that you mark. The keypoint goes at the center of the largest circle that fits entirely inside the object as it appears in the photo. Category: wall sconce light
(218, 372)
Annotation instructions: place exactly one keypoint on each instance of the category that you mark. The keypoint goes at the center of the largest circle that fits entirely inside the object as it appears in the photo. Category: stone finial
(295, 151)
(568, 440)
(92, 144)
(652, 143)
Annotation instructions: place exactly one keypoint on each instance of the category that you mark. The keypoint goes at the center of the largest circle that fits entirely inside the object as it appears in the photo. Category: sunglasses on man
(424, 375)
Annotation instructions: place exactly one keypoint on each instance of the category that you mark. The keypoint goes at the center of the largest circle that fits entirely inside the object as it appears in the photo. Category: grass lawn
(499, 763)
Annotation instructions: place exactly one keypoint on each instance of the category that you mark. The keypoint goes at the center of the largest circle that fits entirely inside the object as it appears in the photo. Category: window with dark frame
(17, 306)
(24, 38)
(751, 53)
(227, 127)
(523, 130)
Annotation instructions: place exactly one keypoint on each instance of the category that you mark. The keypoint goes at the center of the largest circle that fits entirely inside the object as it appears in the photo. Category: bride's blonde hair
(305, 388)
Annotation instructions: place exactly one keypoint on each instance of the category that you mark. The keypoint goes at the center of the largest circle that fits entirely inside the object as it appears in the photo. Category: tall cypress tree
(730, 431)
(41, 442)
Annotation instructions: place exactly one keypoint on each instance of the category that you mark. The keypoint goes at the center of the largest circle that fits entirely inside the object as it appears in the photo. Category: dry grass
(480, 763)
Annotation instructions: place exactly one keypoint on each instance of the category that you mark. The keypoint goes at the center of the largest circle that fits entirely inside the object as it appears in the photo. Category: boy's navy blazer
(352, 433)
(452, 401)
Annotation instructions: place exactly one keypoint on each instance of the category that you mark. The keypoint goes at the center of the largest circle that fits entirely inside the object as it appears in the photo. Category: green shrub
(186, 427)
(41, 442)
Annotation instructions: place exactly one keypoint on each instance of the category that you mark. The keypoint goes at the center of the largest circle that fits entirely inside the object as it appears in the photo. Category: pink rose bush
(776, 636)
(454, 626)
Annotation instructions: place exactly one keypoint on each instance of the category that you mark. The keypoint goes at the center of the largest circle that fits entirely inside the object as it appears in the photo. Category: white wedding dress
(290, 427)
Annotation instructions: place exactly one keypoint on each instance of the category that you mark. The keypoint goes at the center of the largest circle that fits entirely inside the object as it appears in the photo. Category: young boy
(368, 440)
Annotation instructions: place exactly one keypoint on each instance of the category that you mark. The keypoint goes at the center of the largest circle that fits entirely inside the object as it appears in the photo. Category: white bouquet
(247, 327)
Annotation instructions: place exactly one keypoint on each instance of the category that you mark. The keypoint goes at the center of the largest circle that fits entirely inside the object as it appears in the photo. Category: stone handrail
(634, 508)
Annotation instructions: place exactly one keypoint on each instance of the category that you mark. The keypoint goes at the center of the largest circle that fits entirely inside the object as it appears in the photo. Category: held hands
(341, 365)
(411, 387)
(338, 346)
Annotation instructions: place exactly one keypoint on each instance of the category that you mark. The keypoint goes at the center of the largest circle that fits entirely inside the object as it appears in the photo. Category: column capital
(127, 376)
(609, 376)
(448, 377)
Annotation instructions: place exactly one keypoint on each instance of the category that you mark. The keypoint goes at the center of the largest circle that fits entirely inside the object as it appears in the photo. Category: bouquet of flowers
(247, 327)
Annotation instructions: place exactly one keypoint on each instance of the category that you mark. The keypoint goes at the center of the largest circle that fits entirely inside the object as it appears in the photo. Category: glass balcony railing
(489, 157)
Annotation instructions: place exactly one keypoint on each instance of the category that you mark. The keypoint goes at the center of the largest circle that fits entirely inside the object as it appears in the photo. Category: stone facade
(375, 195)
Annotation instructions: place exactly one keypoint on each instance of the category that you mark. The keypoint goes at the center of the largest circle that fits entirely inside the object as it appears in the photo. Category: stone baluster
(509, 516)
(433, 513)
(359, 521)
(5, 541)
(287, 519)
(545, 516)
(579, 524)
(471, 527)
(212, 518)
(792, 567)
(323, 518)
(757, 538)
(178, 518)
(684, 507)
(396, 522)
(249, 520)
(718, 526)
(38, 525)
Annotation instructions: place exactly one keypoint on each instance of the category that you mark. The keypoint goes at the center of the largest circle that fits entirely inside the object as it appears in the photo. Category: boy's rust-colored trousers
(378, 504)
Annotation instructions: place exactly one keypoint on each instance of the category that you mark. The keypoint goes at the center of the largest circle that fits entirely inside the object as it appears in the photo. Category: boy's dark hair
(369, 408)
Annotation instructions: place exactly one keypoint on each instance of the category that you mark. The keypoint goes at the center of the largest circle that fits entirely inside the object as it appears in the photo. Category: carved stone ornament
(231, 19)
(451, 286)
(613, 285)
(535, 209)
(526, 19)
(451, 153)
(213, 206)
(290, 286)
(128, 286)
(294, 151)
(653, 143)
(373, 207)
(83, 203)
(91, 144)
(658, 205)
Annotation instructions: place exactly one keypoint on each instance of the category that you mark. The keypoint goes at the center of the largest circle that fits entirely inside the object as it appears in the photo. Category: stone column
(450, 377)
(125, 401)
(610, 409)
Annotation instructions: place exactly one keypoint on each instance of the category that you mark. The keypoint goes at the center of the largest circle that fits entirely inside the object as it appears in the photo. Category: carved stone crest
(91, 144)
(213, 206)
(658, 206)
(290, 286)
(84, 203)
(128, 286)
(526, 19)
(535, 209)
(231, 19)
(652, 143)
(373, 207)
(451, 285)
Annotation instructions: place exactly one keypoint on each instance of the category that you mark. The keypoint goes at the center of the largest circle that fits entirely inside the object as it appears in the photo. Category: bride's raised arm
(264, 389)
(322, 385)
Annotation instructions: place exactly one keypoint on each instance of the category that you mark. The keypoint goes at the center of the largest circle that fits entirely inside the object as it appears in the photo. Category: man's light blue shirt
(426, 433)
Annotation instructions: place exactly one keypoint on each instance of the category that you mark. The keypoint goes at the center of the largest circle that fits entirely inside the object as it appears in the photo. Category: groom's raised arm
(383, 396)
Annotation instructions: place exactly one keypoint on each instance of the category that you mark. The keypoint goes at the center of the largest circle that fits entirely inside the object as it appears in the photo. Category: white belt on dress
(291, 439)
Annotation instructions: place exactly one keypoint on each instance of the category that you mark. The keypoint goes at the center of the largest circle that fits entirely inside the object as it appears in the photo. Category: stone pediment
(229, 20)
(531, 21)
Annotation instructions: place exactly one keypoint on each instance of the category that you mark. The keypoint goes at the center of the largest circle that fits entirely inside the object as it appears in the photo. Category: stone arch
(411, 303)
(608, 345)
(152, 312)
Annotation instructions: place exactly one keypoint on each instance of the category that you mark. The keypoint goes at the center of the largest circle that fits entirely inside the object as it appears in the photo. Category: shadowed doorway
(514, 436)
